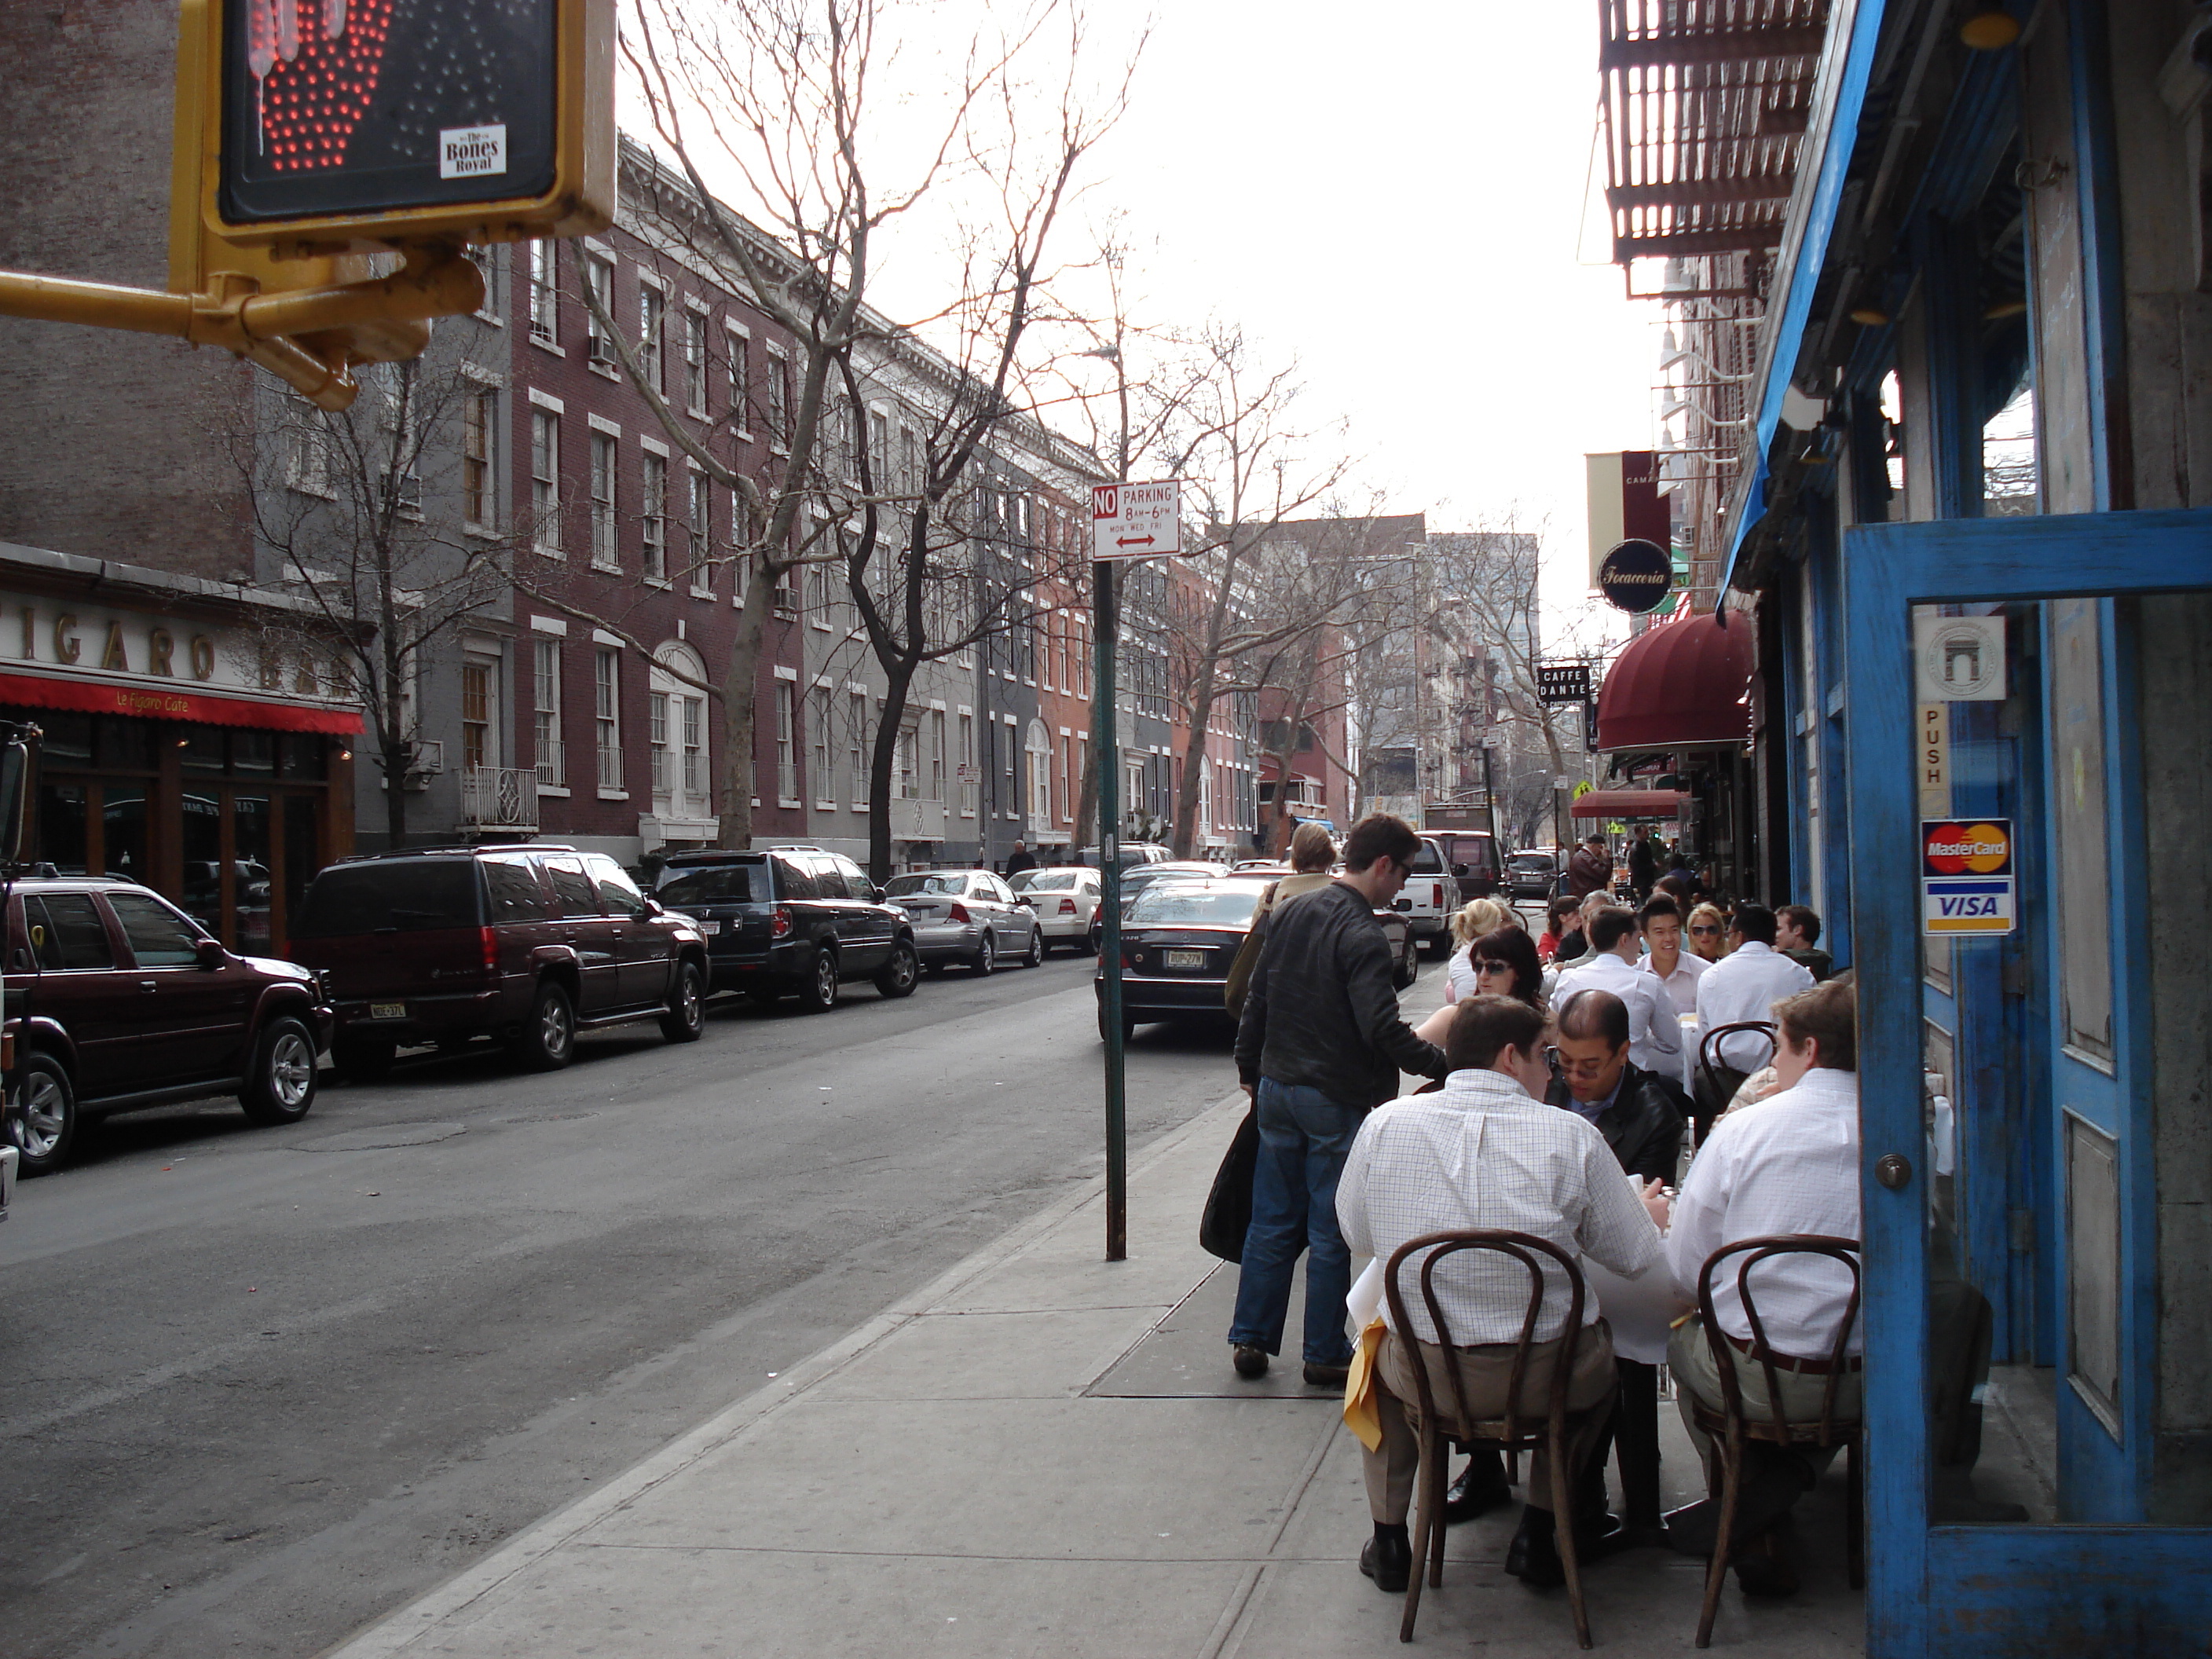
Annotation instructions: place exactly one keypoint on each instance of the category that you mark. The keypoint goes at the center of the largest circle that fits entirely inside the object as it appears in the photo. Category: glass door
(2031, 1398)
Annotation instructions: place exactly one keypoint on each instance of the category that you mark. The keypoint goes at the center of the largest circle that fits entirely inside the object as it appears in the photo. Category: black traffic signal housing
(332, 126)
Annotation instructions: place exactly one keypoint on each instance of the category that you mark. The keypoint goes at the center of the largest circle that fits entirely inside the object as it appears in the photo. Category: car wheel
(548, 1039)
(1129, 1026)
(818, 990)
(43, 1123)
(987, 955)
(1407, 970)
(1035, 956)
(362, 1060)
(686, 1019)
(902, 973)
(283, 1083)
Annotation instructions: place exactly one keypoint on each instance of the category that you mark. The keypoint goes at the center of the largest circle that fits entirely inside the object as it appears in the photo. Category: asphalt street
(259, 1387)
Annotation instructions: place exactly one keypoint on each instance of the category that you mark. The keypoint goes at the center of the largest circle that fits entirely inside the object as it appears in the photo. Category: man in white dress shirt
(1487, 1153)
(1743, 985)
(1788, 1165)
(1678, 970)
(1654, 1035)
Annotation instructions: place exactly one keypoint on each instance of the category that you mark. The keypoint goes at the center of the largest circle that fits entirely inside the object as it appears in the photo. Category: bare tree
(1247, 585)
(374, 548)
(777, 95)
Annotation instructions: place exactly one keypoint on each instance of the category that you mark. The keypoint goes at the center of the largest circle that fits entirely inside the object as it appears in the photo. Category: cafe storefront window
(229, 822)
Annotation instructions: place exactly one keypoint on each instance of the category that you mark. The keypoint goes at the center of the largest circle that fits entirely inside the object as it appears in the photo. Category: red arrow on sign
(1133, 541)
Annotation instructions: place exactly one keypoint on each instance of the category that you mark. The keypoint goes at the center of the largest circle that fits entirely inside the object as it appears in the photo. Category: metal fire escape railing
(1703, 111)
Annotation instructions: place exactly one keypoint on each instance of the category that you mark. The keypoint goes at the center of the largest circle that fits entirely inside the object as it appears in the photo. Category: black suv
(125, 1004)
(794, 920)
(527, 944)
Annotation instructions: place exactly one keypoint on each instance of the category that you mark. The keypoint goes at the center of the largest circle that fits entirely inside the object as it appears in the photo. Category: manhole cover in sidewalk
(392, 1134)
(1186, 1355)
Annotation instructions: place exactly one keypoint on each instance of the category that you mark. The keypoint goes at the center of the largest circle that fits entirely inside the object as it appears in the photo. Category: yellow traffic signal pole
(386, 317)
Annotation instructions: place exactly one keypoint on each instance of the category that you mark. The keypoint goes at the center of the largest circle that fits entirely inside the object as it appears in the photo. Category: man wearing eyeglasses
(1655, 1031)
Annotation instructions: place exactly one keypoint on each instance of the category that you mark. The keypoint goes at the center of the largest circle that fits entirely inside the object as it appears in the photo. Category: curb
(397, 1632)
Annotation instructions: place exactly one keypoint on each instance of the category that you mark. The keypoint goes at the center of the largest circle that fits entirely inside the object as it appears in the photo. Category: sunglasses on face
(1704, 932)
(1481, 968)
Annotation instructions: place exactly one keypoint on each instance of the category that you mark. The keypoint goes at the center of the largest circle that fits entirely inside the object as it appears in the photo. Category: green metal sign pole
(1108, 748)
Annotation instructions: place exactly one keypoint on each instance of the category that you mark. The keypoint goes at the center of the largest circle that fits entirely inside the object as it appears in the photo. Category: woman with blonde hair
(1707, 931)
(1469, 923)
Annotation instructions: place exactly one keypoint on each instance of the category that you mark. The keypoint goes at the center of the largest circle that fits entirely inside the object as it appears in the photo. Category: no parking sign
(1966, 878)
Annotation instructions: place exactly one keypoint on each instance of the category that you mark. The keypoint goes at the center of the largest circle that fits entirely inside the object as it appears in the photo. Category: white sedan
(1064, 898)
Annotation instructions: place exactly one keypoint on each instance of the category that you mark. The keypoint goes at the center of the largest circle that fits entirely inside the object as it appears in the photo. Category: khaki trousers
(1691, 1359)
(1487, 1372)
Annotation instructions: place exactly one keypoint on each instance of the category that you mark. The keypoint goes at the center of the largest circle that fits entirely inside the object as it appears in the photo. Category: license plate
(721, 927)
(1185, 958)
(387, 1011)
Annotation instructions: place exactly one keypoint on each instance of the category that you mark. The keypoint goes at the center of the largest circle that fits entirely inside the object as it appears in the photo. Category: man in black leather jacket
(1320, 1044)
(1642, 1116)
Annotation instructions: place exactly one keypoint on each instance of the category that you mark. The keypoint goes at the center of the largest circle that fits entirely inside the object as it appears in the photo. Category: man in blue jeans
(1321, 1043)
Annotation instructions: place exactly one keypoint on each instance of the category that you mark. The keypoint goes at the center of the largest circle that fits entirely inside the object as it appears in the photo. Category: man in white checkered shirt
(1788, 1163)
(1489, 1152)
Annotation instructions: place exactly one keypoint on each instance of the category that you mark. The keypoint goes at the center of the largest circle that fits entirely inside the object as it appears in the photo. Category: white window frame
(545, 713)
(606, 525)
(545, 295)
(738, 375)
(599, 350)
(606, 719)
(699, 529)
(653, 513)
(695, 370)
(546, 478)
(786, 744)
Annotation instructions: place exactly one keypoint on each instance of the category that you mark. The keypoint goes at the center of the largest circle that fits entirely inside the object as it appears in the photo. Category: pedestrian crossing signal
(328, 125)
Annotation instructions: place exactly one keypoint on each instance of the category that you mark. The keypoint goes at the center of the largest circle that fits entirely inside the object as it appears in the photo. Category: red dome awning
(1680, 684)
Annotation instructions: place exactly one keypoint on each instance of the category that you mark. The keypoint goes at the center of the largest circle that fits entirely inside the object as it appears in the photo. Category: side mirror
(1458, 869)
(1402, 904)
(211, 953)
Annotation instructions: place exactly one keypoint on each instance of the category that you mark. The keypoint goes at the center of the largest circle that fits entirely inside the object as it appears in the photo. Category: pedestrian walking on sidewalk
(1020, 860)
(1591, 870)
(1320, 1044)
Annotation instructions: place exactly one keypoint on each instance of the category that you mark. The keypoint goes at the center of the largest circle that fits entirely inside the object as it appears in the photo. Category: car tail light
(780, 924)
(1066, 907)
(1440, 895)
(958, 913)
(489, 938)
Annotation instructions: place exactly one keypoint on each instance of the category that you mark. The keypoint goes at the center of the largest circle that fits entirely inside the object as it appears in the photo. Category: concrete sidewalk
(1041, 1453)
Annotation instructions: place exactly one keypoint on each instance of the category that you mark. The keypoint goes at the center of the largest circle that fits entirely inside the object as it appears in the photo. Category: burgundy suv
(527, 944)
(125, 1004)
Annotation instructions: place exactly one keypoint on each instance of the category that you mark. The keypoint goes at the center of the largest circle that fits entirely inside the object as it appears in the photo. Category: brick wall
(113, 442)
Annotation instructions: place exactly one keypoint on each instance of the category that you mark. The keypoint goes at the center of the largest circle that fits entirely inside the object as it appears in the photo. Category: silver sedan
(968, 917)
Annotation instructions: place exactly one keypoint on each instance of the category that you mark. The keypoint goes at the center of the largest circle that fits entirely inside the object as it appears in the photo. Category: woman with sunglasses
(1503, 963)
(1708, 933)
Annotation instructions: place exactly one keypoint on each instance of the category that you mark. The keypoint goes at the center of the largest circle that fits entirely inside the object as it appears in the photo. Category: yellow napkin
(1360, 1414)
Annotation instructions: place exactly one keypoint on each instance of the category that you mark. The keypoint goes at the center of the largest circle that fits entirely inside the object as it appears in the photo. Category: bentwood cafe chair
(1732, 1427)
(1515, 1431)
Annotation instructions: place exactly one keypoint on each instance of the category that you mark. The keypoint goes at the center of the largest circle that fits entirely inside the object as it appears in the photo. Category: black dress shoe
(1533, 1556)
(1766, 1573)
(1388, 1559)
(1601, 1535)
(1250, 1359)
(1327, 1376)
(1477, 1492)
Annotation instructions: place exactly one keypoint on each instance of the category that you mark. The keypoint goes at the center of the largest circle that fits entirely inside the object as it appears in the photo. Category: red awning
(106, 697)
(1679, 684)
(1628, 804)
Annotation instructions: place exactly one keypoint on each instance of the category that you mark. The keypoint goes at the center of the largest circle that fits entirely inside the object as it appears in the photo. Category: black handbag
(1228, 1213)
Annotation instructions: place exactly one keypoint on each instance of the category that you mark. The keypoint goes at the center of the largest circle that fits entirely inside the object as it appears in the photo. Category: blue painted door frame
(1966, 1591)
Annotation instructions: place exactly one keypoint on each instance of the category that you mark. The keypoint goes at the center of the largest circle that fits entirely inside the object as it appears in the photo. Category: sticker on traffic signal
(339, 123)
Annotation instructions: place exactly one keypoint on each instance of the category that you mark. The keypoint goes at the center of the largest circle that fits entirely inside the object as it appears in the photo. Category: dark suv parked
(795, 920)
(127, 1003)
(527, 944)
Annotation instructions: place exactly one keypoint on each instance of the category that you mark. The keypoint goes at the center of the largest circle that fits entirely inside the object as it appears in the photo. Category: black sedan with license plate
(1178, 941)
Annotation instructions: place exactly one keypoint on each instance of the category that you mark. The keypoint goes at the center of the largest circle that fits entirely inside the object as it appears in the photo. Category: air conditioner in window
(603, 350)
(407, 492)
(429, 761)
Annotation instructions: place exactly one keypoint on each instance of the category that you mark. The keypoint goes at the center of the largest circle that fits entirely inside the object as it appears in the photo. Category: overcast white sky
(1396, 192)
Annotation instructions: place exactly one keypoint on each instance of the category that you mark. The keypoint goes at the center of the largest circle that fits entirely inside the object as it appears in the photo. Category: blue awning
(1839, 90)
